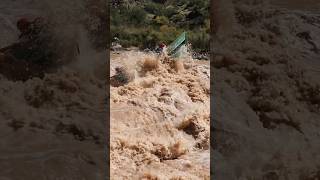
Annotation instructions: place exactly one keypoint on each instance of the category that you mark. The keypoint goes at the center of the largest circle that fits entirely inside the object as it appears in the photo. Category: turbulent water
(52, 128)
(303, 5)
(266, 105)
(160, 119)
(266, 93)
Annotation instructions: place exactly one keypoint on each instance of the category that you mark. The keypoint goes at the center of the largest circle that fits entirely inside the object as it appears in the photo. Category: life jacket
(162, 45)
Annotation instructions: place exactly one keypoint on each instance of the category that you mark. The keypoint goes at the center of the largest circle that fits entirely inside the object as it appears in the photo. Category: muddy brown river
(306, 5)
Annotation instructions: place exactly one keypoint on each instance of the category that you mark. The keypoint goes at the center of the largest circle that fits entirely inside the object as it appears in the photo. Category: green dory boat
(175, 48)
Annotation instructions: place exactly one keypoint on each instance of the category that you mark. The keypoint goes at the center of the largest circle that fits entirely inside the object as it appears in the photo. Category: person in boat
(39, 49)
(163, 50)
(32, 54)
(35, 41)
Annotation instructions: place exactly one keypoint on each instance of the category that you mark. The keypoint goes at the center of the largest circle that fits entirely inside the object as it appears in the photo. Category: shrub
(135, 15)
(161, 20)
(154, 8)
(146, 24)
(200, 40)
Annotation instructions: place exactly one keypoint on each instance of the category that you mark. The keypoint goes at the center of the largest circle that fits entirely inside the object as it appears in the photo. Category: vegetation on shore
(145, 23)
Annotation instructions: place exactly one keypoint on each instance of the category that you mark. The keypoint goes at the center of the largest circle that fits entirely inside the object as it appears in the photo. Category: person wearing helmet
(23, 26)
(39, 49)
(163, 49)
(24, 59)
(35, 41)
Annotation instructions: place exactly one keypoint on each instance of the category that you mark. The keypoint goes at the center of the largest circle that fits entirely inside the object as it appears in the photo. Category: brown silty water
(160, 120)
(54, 127)
(266, 91)
(306, 5)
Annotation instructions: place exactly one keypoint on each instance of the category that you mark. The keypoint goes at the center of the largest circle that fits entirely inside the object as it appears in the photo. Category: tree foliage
(144, 23)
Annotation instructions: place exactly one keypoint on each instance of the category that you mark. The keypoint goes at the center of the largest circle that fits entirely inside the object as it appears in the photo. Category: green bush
(154, 8)
(146, 24)
(115, 18)
(200, 40)
(135, 15)
(161, 20)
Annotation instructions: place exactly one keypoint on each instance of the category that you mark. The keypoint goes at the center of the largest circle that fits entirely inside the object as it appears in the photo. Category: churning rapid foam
(54, 125)
(160, 120)
(266, 93)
